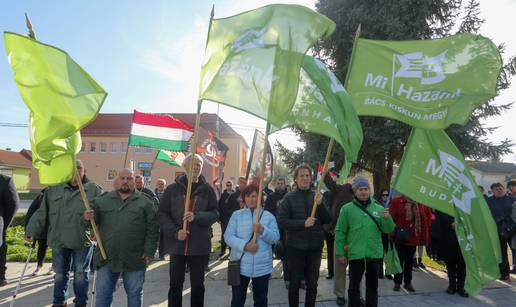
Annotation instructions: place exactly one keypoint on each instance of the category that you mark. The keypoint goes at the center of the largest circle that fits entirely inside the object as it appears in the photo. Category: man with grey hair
(190, 246)
(70, 238)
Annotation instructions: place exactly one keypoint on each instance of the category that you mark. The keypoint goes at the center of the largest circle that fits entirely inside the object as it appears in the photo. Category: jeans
(64, 260)
(177, 278)
(106, 283)
(260, 291)
(356, 270)
(303, 265)
(406, 255)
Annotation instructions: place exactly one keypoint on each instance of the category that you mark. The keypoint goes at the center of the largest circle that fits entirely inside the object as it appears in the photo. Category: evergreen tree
(385, 139)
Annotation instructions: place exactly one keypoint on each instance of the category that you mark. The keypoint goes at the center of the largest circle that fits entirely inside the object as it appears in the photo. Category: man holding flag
(61, 213)
(190, 246)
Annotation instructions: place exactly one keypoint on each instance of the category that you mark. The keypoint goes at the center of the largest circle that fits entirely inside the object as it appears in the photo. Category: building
(489, 172)
(104, 148)
(17, 165)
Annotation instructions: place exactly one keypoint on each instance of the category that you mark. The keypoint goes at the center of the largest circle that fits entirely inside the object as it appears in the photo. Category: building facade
(104, 150)
(18, 166)
(489, 172)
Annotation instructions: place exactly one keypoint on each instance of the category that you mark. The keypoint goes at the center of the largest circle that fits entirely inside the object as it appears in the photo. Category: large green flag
(433, 172)
(253, 59)
(427, 83)
(324, 107)
(62, 99)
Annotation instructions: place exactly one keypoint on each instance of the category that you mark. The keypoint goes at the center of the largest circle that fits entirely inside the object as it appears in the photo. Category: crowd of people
(137, 224)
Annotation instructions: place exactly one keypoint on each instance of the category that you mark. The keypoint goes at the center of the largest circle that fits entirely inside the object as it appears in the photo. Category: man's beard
(124, 189)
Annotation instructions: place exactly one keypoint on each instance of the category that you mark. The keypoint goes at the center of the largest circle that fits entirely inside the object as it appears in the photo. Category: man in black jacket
(304, 235)
(273, 199)
(193, 245)
(500, 205)
(8, 206)
(223, 219)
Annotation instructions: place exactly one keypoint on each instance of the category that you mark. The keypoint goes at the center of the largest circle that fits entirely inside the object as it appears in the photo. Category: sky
(148, 55)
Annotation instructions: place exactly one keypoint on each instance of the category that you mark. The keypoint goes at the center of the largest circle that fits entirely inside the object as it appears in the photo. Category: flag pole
(96, 231)
(127, 149)
(325, 169)
(261, 176)
(193, 149)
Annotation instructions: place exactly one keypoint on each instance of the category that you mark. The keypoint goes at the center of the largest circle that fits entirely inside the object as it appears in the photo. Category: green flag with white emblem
(253, 59)
(433, 172)
(429, 84)
(62, 99)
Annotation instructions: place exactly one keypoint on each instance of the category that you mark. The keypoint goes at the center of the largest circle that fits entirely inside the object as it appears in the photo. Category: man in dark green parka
(61, 213)
(128, 224)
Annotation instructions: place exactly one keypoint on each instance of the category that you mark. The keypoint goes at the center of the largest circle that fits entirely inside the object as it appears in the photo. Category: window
(123, 147)
(148, 150)
(113, 147)
(137, 149)
(111, 175)
(93, 146)
(103, 147)
(83, 147)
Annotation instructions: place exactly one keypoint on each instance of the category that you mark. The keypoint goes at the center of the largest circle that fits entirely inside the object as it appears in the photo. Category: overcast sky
(147, 55)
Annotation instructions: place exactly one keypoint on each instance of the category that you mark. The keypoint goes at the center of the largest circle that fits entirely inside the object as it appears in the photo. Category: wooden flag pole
(325, 169)
(193, 149)
(261, 176)
(88, 208)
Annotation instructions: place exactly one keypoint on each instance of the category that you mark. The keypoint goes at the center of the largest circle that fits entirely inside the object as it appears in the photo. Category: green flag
(427, 83)
(324, 107)
(433, 172)
(253, 59)
(174, 158)
(62, 99)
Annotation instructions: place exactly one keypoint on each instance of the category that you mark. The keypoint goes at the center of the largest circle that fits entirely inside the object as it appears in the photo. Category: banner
(433, 172)
(429, 84)
(253, 59)
(255, 159)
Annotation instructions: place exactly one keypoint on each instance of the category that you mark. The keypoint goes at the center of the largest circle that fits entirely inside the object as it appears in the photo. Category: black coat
(231, 205)
(36, 203)
(223, 208)
(9, 203)
(171, 212)
(272, 201)
(294, 209)
(448, 243)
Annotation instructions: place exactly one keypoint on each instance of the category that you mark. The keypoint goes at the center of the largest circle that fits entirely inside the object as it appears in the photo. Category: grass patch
(17, 249)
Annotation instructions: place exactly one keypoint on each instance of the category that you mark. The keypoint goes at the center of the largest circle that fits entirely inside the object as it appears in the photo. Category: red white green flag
(160, 131)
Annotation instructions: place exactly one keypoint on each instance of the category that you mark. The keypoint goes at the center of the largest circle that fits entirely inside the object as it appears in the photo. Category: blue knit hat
(360, 182)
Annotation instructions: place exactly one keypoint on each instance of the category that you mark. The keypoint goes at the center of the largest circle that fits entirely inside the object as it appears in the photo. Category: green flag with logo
(253, 59)
(426, 83)
(433, 172)
(324, 107)
(62, 99)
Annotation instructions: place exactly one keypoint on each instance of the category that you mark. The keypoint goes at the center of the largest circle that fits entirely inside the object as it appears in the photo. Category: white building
(489, 172)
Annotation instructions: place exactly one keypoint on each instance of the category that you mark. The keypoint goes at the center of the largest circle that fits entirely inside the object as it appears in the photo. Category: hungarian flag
(62, 98)
(433, 172)
(160, 131)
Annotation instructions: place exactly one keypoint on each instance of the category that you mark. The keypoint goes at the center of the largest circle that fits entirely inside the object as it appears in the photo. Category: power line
(13, 125)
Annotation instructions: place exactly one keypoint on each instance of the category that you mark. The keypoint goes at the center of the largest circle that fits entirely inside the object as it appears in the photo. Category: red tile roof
(120, 124)
(14, 158)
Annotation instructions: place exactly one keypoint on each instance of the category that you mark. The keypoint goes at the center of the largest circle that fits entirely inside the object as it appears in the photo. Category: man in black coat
(193, 245)
(223, 218)
(500, 205)
(304, 235)
(9, 203)
(273, 199)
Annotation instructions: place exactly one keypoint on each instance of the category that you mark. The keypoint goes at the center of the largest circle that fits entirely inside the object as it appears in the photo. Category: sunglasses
(385, 195)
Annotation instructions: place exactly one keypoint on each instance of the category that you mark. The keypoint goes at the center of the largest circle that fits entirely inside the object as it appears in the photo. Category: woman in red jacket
(412, 224)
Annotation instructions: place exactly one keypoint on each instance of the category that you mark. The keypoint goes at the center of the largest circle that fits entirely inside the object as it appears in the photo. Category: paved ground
(37, 291)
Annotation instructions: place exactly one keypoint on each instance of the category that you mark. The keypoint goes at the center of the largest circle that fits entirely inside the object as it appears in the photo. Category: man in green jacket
(128, 223)
(358, 241)
(61, 210)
